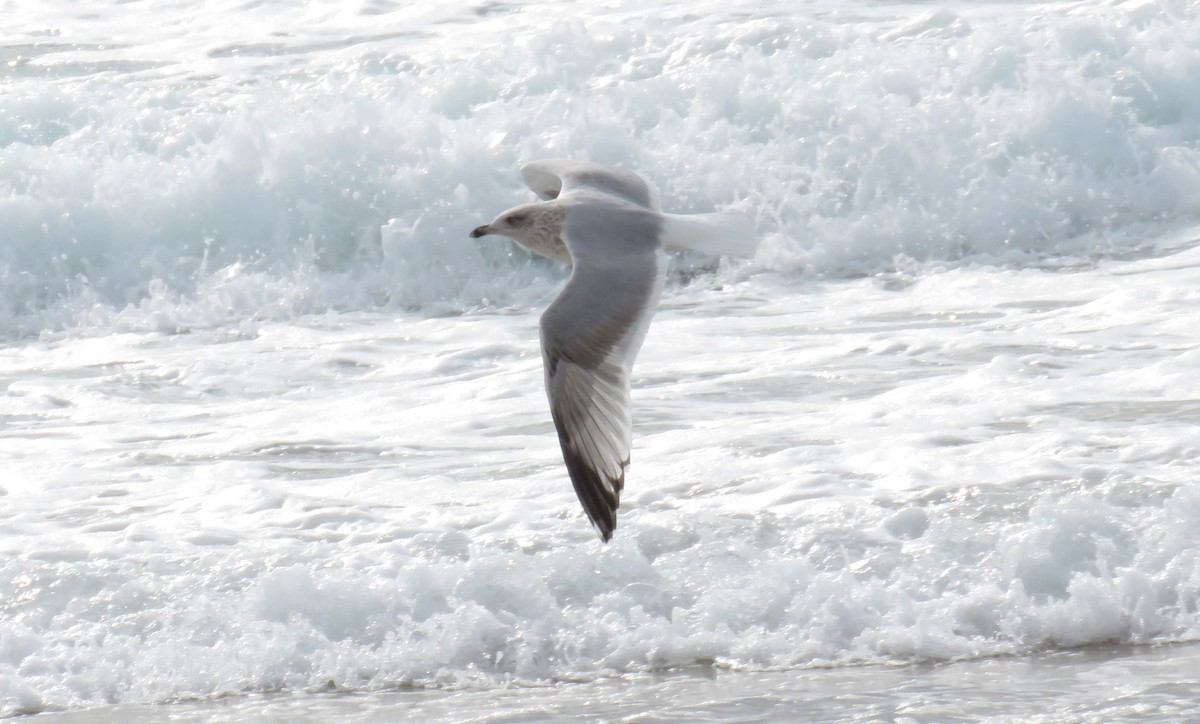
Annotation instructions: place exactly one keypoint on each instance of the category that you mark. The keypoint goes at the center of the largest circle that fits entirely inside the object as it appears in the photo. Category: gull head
(537, 227)
(522, 223)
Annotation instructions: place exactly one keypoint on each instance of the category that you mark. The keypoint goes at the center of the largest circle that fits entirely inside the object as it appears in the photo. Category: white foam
(850, 473)
(946, 413)
(170, 151)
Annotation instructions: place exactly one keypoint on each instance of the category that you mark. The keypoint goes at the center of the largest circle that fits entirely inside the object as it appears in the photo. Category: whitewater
(273, 439)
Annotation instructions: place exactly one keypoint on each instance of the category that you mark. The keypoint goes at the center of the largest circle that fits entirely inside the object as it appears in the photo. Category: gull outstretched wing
(551, 179)
(591, 334)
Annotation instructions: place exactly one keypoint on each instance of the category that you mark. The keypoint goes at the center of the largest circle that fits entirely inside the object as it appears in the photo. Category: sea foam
(333, 166)
(947, 412)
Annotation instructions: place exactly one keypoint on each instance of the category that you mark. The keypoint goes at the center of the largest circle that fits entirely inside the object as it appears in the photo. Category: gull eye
(521, 219)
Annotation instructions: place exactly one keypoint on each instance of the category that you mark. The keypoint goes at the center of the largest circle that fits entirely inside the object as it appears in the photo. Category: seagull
(605, 222)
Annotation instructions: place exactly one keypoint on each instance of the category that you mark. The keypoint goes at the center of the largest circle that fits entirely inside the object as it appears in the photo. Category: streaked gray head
(537, 227)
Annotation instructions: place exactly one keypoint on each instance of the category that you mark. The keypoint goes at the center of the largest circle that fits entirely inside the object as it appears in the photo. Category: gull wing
(591, 334)
(551, 179)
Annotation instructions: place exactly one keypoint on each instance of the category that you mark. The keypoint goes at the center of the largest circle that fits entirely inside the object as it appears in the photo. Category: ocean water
(272, 428)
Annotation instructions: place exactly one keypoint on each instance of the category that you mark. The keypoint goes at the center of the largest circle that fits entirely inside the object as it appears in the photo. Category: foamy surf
(273, 423)
(313, 162)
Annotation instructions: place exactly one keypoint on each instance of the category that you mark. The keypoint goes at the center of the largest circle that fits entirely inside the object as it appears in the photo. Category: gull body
(606, 223)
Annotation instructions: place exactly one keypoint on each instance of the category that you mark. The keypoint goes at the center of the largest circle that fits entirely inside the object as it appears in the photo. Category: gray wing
(551, 179)
(591, 334)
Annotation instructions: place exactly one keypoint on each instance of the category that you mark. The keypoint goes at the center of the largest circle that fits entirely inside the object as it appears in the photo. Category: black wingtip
(599, 504)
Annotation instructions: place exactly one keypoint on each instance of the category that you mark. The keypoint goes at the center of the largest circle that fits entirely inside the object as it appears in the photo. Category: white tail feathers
(726, 233)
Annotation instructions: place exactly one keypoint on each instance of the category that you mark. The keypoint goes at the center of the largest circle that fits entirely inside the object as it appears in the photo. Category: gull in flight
(607, 224)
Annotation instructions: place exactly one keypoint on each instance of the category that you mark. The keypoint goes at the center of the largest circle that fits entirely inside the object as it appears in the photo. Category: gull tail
(726, 233)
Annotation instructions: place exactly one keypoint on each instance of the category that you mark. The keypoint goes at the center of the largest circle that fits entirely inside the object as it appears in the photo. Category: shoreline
(1093, 683)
